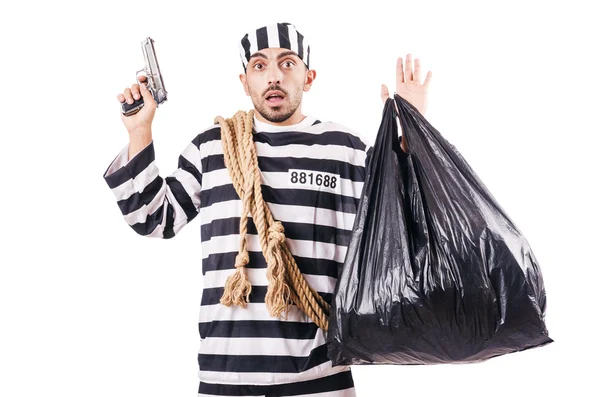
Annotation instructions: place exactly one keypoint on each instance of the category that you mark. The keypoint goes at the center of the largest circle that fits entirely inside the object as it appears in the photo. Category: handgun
(156, 85)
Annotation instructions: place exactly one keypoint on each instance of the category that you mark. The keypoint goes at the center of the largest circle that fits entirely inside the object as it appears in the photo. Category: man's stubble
(277, 114)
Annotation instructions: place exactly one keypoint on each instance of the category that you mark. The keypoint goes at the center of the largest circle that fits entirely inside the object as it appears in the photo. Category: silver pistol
(156, 85)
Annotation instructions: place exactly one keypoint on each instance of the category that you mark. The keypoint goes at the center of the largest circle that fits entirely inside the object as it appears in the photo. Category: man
(244, 350)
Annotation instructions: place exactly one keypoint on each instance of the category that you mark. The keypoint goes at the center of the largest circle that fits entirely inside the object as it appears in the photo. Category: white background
(89, 308)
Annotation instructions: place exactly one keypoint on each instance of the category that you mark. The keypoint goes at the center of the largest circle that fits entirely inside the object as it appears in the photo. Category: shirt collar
(260, 126)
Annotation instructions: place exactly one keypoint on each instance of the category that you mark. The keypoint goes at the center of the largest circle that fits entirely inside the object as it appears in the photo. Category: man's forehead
(274, 53)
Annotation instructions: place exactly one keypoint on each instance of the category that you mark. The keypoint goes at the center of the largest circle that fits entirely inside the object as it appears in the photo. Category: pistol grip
(129, 110)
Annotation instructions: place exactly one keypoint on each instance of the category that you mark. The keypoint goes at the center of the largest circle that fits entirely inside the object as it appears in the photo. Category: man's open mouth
(275, 97)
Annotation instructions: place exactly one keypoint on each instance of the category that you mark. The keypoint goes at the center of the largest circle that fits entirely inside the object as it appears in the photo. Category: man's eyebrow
(286, 53)
(258, 54)
(283, 54)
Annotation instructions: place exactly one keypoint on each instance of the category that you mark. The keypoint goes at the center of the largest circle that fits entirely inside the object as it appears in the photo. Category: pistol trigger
(138, 73)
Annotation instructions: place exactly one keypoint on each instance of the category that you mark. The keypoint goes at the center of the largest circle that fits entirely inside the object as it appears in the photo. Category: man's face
(275, 79)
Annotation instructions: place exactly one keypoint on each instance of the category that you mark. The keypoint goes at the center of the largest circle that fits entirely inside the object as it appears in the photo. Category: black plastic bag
(435, 272)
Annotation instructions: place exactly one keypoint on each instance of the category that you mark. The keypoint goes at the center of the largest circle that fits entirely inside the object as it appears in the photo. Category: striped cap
(278, 35)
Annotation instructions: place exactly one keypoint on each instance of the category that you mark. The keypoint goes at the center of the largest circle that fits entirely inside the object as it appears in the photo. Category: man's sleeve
(154, 206)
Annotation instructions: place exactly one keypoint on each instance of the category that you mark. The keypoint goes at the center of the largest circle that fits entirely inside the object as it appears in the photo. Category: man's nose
(274, 76)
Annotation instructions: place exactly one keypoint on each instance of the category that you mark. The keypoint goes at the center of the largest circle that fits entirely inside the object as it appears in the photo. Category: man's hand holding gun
(139, 103)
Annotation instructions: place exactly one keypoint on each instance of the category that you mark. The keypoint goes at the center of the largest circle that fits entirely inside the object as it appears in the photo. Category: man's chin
(276, 114)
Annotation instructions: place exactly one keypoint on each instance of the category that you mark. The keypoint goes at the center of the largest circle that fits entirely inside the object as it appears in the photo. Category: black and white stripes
(312, 176)
(278, 35)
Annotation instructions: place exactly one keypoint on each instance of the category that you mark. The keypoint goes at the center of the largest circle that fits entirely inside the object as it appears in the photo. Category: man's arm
(137, 143)
(154, 206)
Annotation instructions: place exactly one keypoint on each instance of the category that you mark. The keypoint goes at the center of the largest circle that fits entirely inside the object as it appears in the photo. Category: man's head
(276, 65)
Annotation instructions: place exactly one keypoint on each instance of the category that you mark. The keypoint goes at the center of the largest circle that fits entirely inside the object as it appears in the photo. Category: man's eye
(257, 65)
(289, 62)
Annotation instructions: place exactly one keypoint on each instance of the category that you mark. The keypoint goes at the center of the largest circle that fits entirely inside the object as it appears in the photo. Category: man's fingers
(428, 79)
(417, 70)
(408, 75)
(128, 97)
(146, 94)
(385, 94)
(399, 71)
(135, 91)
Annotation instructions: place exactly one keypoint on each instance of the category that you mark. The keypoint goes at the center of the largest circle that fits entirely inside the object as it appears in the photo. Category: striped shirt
(312, 174)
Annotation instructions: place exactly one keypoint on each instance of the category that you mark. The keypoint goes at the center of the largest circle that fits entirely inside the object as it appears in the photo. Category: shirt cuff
(122, 169)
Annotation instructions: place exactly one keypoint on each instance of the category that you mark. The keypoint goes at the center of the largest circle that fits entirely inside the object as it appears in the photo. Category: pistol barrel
(155, 80)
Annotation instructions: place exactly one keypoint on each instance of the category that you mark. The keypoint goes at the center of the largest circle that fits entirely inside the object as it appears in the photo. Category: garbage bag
(435, 272)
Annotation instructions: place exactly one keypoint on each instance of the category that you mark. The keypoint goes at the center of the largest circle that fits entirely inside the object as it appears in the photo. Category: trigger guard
(144, 73)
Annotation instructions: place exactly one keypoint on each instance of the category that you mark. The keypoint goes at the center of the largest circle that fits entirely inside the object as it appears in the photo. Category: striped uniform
(312, 174)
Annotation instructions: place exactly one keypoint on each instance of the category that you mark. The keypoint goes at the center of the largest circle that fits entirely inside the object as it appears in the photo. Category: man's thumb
(385, 94)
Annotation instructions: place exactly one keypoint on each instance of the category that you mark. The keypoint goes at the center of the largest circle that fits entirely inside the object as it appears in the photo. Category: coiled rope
(286, 284)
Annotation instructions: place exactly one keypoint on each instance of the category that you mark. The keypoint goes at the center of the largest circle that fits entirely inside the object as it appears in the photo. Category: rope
(286, 284)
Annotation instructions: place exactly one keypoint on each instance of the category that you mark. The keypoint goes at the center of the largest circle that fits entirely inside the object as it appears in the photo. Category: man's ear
(311, 75)
(244, 83)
